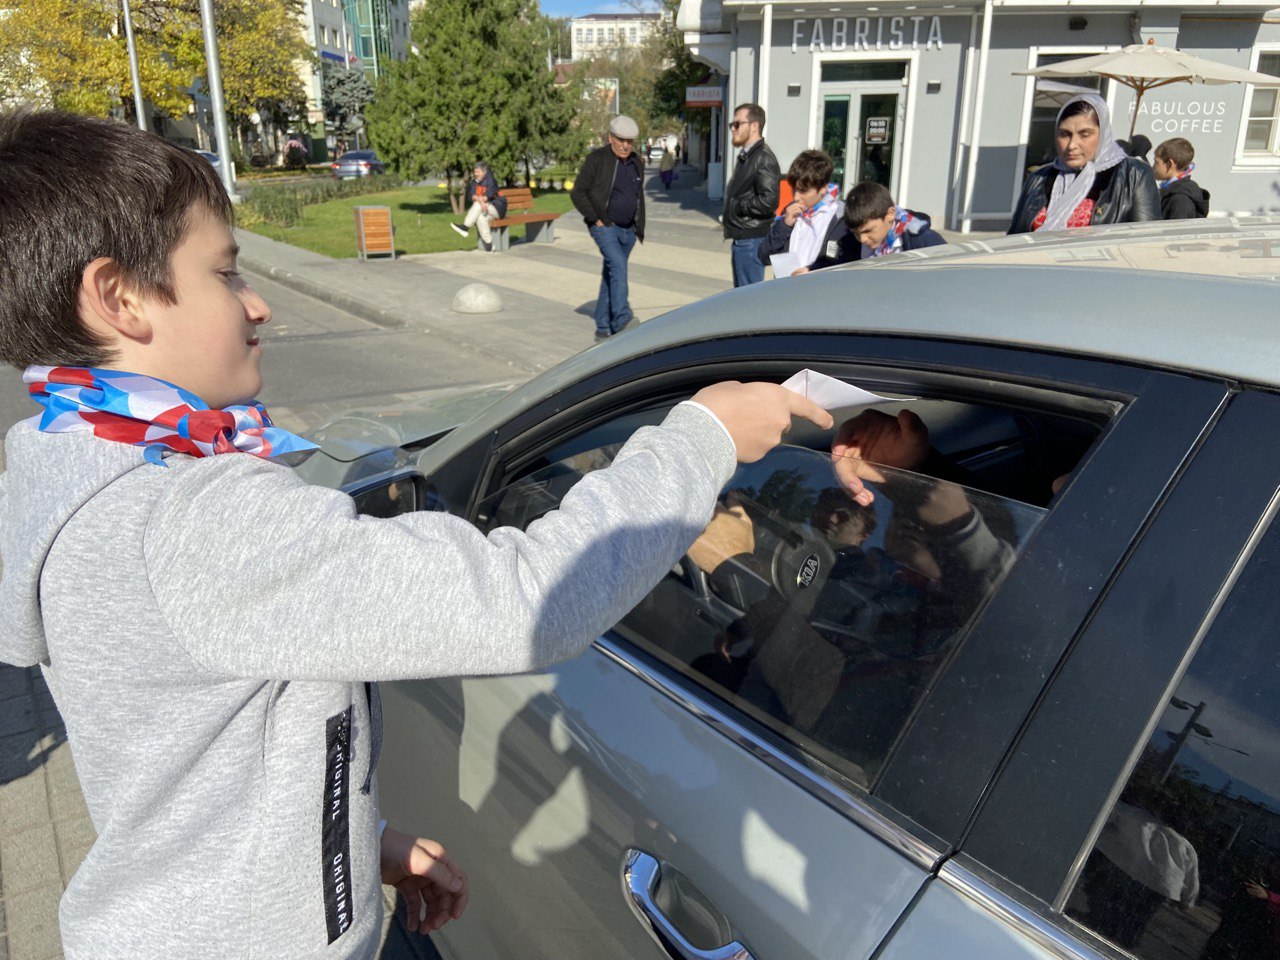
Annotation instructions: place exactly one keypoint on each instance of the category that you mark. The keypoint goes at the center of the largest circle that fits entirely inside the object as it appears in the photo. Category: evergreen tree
(480, 88)
(346, 94)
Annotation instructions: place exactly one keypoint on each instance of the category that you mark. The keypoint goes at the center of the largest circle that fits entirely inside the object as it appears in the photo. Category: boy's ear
(108, 304)
(891, 215)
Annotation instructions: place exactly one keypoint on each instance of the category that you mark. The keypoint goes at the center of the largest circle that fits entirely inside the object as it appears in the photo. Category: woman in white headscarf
(1092, 181)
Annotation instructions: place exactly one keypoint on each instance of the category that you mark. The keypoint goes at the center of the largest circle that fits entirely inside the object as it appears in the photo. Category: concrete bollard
(477, 298)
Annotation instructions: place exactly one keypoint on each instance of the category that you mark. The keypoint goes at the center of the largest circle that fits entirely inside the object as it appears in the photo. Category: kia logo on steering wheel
(808, 570)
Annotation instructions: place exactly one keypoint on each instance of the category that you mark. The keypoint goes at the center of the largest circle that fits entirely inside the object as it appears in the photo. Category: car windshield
(357, 155)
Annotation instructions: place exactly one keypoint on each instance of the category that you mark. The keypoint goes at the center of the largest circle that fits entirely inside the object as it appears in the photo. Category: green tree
(71, 54)
(457, 101)
(346, 94)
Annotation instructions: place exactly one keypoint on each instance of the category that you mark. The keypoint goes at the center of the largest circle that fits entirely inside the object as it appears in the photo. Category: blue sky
(578, 8)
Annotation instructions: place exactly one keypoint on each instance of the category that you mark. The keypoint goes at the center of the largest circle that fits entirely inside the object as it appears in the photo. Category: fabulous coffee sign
(867, 33)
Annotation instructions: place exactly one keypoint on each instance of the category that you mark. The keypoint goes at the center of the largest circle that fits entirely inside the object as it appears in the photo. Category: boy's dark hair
(867, 201)
(73, 189)
(810, 170)
(1177, 151)
(755, 113)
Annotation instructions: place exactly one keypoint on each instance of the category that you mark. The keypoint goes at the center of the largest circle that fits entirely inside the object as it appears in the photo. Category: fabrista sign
(867, 33)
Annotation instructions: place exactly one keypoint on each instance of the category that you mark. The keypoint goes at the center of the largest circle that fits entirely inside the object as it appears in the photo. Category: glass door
(862, 131)
(880, 139)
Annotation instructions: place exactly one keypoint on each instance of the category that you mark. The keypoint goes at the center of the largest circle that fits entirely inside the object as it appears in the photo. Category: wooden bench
(539, 227)
(375, 236)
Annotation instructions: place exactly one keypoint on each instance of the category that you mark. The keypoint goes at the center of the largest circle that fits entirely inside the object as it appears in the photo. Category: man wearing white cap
(609, 193)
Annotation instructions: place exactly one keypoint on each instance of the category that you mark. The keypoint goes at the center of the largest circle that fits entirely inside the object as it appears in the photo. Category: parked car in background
(1043, 722)
(212, 158)
(357, 163)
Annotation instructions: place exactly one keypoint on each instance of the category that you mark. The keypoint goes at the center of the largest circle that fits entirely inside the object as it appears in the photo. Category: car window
(1187, 863)
(823, 620)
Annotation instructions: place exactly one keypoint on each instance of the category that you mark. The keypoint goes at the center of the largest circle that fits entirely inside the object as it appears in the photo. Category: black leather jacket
(751, 202)
(590, 193)
(1126, 193)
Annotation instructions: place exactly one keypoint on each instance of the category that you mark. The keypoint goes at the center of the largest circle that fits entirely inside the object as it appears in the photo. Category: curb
(387, 318)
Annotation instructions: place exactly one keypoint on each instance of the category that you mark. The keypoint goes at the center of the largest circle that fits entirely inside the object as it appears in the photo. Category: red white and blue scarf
(158, 416)
(892, 241)
(1182, 176)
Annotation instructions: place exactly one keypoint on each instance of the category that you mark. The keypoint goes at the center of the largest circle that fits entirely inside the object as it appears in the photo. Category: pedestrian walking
(484, 204)
(667, 167)
(752, 198)
(609, 195)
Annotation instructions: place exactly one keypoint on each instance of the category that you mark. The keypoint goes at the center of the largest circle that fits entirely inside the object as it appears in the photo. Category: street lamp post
(214, 82)
(133, 67)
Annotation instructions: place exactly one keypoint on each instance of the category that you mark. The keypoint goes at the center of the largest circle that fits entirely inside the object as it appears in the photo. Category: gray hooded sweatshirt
(207, 627)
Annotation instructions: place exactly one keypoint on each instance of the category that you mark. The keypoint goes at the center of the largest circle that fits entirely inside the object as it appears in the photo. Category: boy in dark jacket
(484, 204)
(1181, 198)
(882, 227)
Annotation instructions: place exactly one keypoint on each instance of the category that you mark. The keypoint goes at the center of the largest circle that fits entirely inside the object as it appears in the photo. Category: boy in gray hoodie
(206, 621)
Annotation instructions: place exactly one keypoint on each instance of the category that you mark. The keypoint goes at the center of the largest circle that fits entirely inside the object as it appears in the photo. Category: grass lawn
(421, 217)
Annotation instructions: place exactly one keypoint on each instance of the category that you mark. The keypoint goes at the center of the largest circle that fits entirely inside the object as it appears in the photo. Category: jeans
(747, 267)
(613, 312)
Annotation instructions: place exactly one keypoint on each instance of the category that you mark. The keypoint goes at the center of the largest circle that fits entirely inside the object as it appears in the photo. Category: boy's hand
(758, 414)
(792, 213)
(433, 886)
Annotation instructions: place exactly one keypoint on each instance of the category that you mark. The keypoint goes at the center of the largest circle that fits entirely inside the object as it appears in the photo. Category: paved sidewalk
(548, 292)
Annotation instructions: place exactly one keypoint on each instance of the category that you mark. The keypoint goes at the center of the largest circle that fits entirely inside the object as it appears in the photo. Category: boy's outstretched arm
(260, 575)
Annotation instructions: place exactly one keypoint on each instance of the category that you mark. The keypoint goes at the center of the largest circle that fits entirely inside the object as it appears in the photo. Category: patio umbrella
(1146, 66)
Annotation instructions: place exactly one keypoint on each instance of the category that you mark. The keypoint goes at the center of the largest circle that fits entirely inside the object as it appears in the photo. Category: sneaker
(602, 335)
(459, 229)
(488, 246)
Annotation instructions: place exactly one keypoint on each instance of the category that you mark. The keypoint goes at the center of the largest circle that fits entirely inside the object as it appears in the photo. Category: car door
(631, 804)
(1139, 812)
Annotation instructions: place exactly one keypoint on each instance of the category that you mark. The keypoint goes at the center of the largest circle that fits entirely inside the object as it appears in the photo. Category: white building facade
(606, 34)
(901, 92)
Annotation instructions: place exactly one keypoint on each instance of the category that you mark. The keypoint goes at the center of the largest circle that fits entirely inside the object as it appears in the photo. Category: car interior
(826, 624)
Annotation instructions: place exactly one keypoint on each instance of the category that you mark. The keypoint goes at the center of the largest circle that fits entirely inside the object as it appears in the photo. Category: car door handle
(640, 876)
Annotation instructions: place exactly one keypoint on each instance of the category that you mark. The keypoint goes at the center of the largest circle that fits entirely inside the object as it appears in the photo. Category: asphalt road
(319, 361)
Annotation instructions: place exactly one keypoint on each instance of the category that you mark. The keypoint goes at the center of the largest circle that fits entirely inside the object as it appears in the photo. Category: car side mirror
(392, 496)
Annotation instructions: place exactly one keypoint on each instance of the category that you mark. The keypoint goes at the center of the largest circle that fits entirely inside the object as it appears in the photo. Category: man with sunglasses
(752, 198)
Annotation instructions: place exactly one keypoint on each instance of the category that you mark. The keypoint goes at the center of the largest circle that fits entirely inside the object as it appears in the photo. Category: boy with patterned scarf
(811, 227)
(881, 226)
(207, 622)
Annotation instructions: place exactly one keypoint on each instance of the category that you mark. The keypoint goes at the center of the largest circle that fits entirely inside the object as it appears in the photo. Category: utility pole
(214, 82)
(133, 68)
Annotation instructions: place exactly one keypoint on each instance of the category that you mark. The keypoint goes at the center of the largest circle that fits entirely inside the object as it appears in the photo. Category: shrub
(283, 205)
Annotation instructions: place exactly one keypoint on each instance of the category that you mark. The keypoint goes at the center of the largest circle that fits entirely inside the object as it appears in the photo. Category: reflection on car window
(1188, 863)
(819, 617)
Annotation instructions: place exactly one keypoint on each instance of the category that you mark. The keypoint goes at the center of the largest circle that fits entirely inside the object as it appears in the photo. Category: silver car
(357, 163)
(1024, 705)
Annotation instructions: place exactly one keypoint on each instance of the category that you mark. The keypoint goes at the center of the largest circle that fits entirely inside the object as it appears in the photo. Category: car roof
(357, 154)
(1198, 296)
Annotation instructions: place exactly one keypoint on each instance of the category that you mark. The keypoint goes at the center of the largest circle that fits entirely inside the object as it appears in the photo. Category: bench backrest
(518, 198)
(373, 231)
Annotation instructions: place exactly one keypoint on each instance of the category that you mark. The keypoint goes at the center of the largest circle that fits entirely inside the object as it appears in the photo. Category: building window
(591, 35)
(1261, 127)
(611, 34)
(577, 35)
(635, 35)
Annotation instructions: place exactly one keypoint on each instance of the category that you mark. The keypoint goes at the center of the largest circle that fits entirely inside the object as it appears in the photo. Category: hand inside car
(758, 414)
(873, 437)
(729, 534)
(433, 886)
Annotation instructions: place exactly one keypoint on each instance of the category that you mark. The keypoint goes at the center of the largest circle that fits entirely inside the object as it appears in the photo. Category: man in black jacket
(751, 201)
(610, 196)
